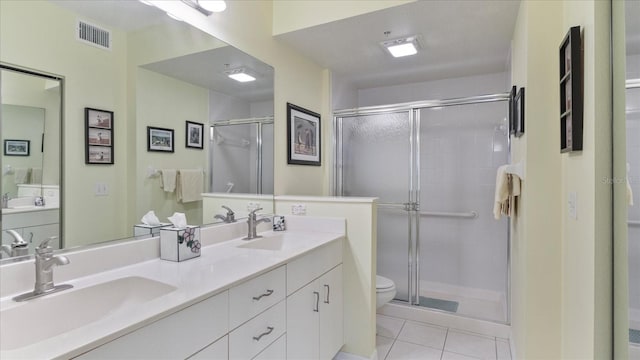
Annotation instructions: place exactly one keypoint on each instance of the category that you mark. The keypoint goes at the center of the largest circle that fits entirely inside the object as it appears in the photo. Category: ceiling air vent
(93, 35)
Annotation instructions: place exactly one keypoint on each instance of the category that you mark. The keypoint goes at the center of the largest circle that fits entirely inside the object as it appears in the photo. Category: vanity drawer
(305, 269)
(254, 296)
(251, 338)
(176, 336)
(275, 351)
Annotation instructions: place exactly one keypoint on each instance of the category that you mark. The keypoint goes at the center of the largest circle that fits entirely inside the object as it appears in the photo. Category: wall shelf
(571, 91)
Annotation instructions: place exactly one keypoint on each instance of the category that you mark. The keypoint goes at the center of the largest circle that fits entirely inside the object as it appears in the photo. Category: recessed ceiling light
(402, 47)
(240, 75)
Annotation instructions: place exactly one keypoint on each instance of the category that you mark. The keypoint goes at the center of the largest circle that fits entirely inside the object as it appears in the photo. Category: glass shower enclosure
(433, 167)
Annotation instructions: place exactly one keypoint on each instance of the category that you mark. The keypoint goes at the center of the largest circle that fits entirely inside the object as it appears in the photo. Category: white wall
(435, 90)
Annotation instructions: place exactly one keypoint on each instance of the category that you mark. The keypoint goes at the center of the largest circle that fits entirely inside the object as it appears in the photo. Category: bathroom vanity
(279, 296)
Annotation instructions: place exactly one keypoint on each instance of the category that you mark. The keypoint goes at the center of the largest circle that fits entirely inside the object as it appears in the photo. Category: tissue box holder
(179, 244)
(143, 229)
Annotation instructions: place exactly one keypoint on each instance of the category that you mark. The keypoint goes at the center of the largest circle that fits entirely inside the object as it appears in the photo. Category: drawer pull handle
(328, 290)
(269, 331)
(317, 294)
(269, 292)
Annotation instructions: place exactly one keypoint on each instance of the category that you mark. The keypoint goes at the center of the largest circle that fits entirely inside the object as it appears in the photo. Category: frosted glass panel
(633, 159)
(376, 163)
(233, 158)
(463, 259)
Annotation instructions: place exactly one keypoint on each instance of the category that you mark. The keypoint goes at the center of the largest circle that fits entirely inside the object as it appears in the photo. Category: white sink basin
(273, 243)
(52, 315)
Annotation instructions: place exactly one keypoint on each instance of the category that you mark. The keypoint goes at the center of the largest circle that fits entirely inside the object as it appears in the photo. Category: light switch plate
(573, 205)
(299, 209)
(101, 189)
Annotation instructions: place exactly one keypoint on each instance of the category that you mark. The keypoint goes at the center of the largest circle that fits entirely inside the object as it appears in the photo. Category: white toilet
(385, 291)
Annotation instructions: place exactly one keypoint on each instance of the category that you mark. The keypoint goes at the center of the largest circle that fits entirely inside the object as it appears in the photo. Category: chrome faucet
(18, 247)
(252, 224)
(229, 218)
(5, 200)
(44, 272)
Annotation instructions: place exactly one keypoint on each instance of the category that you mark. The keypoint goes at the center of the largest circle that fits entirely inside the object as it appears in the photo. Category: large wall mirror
(168, 87)
(626, 92)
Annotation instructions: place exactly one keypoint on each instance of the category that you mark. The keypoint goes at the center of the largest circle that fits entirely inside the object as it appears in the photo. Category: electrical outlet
(573, 205)
(101, 189)
(299, 209)
(252, 206)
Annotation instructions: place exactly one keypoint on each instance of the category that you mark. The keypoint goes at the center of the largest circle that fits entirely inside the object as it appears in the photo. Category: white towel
(189, 186)
(21, 175)
(507, 188)
(36, 176)
(168, 180)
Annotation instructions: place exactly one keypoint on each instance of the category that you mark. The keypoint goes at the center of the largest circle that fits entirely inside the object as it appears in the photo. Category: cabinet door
(219, 350)
(331, 313)
(302, 323)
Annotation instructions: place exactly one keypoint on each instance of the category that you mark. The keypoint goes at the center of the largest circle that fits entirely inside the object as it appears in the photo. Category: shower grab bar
(633, 223)
(467, 215)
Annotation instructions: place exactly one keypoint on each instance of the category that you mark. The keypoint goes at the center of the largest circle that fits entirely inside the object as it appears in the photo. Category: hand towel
(21, 175)
(189, 185)
(501, 198)
(36, 176)
(168, 180)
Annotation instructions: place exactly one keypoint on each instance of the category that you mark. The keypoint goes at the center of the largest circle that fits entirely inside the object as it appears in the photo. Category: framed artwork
(571, 91)
(303, 136)
(518, 112)
(159, 139)
(512, 98)
(17, 147)
(194, 134)
(98, 129)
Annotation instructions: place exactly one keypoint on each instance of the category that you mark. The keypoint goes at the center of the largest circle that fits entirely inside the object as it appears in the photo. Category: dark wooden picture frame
(512, 97)
(518, 113)
(194, 135)
(17, 147)
(571, 91)
(160, 139)
(98, 133)
(303, 136)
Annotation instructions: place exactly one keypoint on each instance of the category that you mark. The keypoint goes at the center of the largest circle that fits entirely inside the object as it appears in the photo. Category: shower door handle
(317, 294)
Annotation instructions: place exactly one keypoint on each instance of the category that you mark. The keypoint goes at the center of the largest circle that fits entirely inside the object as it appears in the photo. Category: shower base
(475, 303)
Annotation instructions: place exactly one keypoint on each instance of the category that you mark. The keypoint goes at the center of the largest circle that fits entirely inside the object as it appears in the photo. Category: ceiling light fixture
(240, 74)
(402, 47)
(207, 7)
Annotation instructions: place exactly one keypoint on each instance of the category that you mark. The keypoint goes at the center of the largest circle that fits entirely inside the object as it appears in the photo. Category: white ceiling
(459, 38)
(203, 69)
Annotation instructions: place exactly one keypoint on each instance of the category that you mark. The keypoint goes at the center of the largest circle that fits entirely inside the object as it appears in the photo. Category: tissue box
(278, 223)
(179, 244)
(143, 229)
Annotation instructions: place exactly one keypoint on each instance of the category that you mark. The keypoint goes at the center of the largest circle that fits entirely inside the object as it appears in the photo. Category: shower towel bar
(467, 215)
(633, 223)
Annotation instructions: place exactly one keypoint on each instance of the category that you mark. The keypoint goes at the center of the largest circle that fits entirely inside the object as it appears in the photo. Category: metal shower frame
(413, 109)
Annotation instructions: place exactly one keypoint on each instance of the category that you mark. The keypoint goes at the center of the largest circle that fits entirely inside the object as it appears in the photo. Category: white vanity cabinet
(315, 312)
(176, 336)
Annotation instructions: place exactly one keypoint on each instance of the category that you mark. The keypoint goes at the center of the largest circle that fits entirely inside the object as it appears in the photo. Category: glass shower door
(376, 162)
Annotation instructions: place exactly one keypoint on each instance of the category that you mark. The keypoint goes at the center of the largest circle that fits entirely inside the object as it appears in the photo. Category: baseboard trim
(348, 356)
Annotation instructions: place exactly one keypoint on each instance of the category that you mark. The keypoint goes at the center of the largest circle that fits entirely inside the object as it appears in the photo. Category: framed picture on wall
(194, 133)
(98, 129)
(518, 111)
(303, 136)
(159, 139)
(512, 98)
(16, 147)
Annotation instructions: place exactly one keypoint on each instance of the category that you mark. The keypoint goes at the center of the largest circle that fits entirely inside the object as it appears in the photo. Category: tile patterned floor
(399, 339)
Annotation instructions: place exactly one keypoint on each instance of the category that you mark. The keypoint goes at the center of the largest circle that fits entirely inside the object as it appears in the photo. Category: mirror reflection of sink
(22, 207)
(273, 243)
(39, 319)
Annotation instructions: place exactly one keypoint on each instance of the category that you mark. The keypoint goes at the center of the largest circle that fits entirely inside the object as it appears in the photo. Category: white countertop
(219, 267)
(27, 209)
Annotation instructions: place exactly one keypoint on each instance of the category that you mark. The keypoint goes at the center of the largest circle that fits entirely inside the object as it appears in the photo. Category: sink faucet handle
(229, 211)
(253, 212)
(44, 245)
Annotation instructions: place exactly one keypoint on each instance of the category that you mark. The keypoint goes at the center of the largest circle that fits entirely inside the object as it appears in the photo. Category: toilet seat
(382, 283)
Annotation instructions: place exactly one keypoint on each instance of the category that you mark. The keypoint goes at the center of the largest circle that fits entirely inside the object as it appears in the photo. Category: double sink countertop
(153, 289)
